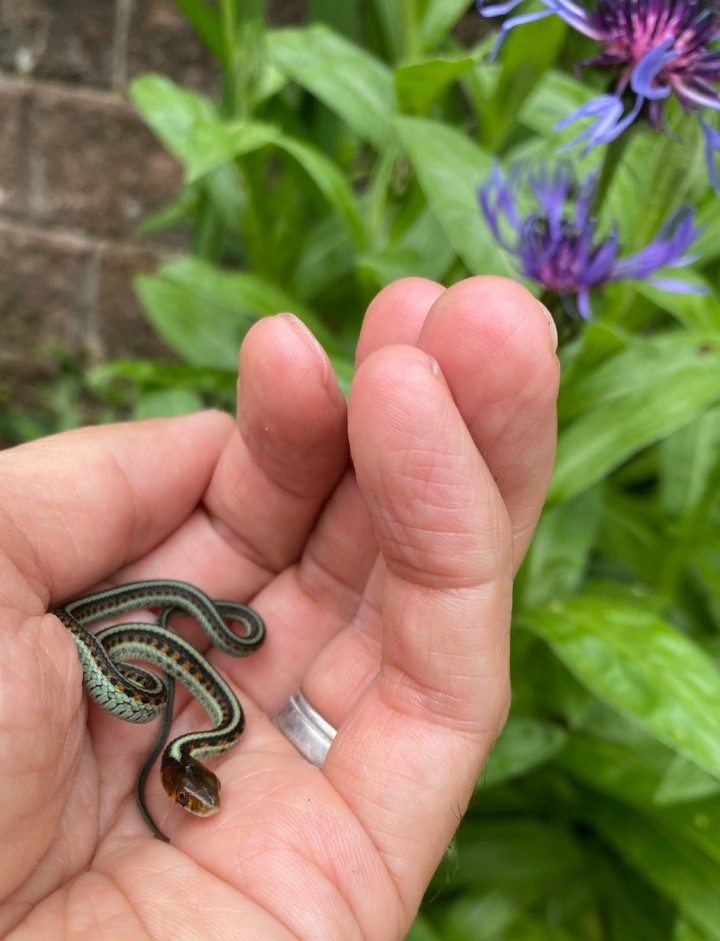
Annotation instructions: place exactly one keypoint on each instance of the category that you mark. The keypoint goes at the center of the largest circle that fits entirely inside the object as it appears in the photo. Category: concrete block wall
(78, 171)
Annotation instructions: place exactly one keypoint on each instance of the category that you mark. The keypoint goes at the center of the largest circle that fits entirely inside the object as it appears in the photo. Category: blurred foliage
(63, 398)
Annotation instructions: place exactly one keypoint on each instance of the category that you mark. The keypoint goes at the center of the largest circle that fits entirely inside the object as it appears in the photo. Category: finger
(341, 551)
(81, 504)
(280, 466)
(286, 454)
(407, 756)
(397, 315)
(310, 603)
(503, 378)
(289, 450)
(514, 338)
(41, 734)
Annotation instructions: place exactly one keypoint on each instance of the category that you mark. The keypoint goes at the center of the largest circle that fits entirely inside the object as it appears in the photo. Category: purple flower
(558, 245)
(659, 48)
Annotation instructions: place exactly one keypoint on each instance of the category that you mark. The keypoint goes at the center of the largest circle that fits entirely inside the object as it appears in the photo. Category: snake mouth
(198, 808)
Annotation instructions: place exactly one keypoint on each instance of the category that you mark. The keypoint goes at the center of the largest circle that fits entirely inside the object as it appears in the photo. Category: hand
(386, 588)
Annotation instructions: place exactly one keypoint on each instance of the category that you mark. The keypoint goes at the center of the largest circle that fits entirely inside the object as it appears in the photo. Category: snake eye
(182, 797)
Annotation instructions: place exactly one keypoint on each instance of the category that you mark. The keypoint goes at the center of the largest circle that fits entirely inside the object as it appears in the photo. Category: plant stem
(228, 27)
(411, 30)
(613, 154)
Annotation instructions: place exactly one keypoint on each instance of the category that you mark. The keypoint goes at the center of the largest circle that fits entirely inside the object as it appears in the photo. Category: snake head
(192, 786)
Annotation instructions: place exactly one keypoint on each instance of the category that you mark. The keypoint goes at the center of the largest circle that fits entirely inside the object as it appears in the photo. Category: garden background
(302, 168)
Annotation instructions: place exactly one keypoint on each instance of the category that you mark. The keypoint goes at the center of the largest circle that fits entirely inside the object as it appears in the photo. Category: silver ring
(305, 728)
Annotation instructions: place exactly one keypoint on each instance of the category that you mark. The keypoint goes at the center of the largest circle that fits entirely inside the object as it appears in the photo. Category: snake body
(138, 695)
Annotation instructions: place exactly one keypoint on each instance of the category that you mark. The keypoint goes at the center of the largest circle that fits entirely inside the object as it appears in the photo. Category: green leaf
(686, 932)
(604, 723)
(396, 25)
(327, 259)
(630, 774)
(707, 245)
(631, 909)
(190, 127)
(509, 851)
(450, 168)
(422, 250)
(206, 24)
(655, 176)
(178, 212)
(353, 84)
(240, 138)
(223, 196)
(384, 266)
(678, 870)
(705, 564)
(629, 535)
(688, 459)
(684, 781)
(427, 240)
(634, 400)
(440, 16)
(152, 374)
(214, 143)
(597, 344)
(483, 918)
(525, 744)
(561, 547)
(203, 313)
(642, 667)
(205, 142)
(542, 685)
(167, 404)
(203, 321)
(526, 57)
(330, 181)
(419, 84)
(421, 930)
(554, 97)
(344, 370)
(696, 312)
(172, 112)
(665, 356)
(538, 929)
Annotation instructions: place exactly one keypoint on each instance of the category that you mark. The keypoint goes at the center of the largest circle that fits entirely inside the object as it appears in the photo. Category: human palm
(379, 544)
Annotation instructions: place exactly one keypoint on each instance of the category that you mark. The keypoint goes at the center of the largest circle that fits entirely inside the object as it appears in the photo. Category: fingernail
(311, 341)
(551, 325)
(434, 365)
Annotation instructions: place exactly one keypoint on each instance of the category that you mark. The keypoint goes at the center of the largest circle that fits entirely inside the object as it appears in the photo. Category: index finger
(81, 504)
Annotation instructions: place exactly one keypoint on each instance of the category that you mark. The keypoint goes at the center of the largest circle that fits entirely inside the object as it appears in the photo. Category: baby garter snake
(138, 695)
